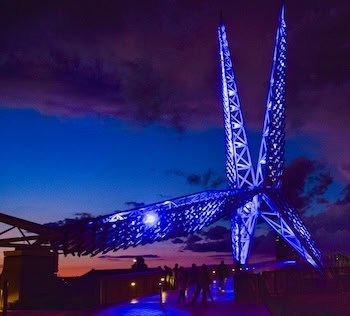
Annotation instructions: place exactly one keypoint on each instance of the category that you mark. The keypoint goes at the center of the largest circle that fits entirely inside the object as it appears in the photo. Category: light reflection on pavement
(149, 306)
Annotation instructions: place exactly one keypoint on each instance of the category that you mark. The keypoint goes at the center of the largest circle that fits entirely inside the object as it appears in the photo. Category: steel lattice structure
(239, 168)
(252, 192)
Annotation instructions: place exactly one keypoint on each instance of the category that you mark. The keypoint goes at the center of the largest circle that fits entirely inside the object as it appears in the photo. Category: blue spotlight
(150, 219)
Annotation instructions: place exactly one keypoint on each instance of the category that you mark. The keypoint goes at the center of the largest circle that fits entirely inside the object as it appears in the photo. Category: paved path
(223, 305)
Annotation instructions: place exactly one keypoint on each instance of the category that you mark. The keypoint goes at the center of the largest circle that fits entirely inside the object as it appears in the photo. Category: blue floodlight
(150, 219)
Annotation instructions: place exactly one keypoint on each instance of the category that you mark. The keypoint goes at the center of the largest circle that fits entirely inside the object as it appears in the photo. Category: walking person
(192, 280)
(175, 272)
(204, 282)
(222, 274)
(181, 283)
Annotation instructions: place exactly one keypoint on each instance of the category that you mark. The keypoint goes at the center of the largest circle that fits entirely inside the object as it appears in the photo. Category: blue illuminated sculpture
(272, 207)
(252, 193)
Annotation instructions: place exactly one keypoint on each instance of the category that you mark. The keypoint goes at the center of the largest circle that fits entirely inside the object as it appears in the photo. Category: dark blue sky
(54, 167)
(103, 106)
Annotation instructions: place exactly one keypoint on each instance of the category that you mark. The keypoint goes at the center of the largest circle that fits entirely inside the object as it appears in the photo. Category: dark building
(337, 260)
(284, 251)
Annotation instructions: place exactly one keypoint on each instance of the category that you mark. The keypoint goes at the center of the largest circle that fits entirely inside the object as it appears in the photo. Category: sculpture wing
(271, 157)
(147, 224)
(287, 223)
(239, 169)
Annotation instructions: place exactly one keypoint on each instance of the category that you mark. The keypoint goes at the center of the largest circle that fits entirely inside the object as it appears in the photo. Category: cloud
(77, 217)
(116, 258)
(216, 238)
(216, 246)
(194, 179)
(159, 64)
(217, 233)
(207, 180)
(346, 196)
(193, 239)
(220, 256)
(133, 204)
(177, 241)
(330, 228)
(156, 64)
(304, 181)
(335, 218)
(98, 64)
(321, 200)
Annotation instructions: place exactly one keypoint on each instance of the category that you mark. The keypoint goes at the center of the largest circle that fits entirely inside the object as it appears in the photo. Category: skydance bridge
(252, 192)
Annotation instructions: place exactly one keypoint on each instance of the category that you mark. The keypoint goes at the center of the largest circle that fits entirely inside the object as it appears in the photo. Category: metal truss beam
(271, 156)
(22, 233)
(286, 222)
(160, 221)
(239, 169)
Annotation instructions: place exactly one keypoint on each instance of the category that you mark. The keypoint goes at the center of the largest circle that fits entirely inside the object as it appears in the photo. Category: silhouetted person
(204, 285)
(139, 265)
(193, 279)
(175, 272)
(238, 267)
(222, 274)
(181, 283)
(168, 275)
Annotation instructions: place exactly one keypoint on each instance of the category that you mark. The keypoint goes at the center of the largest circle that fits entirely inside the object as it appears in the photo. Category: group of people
(196, 280)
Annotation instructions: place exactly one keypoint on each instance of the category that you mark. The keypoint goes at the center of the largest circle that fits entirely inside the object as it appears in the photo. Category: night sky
(108, 104)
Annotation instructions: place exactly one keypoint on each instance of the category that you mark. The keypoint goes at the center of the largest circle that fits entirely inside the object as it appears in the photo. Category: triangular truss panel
(20, 233)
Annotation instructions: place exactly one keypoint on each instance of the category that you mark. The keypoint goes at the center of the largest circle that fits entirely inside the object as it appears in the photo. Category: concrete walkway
(224, 305)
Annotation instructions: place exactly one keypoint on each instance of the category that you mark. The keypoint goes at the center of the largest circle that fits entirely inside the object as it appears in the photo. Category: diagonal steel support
(286, 222)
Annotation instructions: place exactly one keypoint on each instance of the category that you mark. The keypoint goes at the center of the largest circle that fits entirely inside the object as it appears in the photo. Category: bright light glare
(150, 219)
